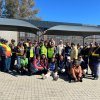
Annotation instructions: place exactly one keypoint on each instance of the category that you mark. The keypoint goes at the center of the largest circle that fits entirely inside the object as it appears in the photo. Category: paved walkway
(33, 88)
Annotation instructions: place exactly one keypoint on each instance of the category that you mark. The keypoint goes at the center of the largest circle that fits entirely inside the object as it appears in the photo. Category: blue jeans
(18, 62)
(33, 70)
(96, 69)
(7, 63)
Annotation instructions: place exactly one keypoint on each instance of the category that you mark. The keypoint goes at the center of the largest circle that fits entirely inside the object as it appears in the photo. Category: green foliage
(18, 9)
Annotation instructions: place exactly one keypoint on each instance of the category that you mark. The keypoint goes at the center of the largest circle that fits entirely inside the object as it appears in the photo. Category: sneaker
(43, 76)
(70, 81)
(56, 78)
(84, 75)
(95, 78)
(81, 79)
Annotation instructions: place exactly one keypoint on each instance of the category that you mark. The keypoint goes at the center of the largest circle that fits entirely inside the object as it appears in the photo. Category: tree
(1, 7)
(19, 9)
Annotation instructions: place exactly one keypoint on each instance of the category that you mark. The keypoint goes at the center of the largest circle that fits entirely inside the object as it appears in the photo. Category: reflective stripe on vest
(21, 50)
(27, 44)
(31, 52)
(50, 52)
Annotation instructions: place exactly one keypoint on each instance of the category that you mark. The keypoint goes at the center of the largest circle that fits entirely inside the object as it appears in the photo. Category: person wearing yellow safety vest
(30, 55)
(26, 45)
(8, 53)
(43, 50)
(19, 54)
(96, 61)
(50, 52)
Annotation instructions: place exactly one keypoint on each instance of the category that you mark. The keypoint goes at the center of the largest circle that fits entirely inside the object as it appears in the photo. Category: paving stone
(34, 88)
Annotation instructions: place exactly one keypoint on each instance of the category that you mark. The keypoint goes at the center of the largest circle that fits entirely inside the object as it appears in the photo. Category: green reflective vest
(50, 52)
(32, 52)
(44, 50)
(0, 44)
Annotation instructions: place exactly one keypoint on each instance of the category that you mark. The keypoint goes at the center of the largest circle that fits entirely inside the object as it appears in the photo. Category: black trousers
(13, 57)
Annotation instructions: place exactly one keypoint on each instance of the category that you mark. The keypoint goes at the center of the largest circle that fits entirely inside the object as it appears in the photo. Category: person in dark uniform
(2, 55)
(84, 52)
(96, 61)
(91, 58)
(13, 57)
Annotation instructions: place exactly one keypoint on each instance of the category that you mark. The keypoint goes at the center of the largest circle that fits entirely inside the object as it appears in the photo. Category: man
(36, 48)
(7, 56)
(91, 58)
(19, 54)
(84, 52)
(79, 48)
(27, 43)
(67, 51)
(2, 55)
(96, 61)
(43, 49)
(74, 52)
(13, 57)
(30, 55)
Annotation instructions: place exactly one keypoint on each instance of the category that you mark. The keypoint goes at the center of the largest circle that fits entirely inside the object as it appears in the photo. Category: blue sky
(73, 11)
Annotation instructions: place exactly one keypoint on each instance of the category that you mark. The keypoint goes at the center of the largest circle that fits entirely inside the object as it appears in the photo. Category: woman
(76, 71)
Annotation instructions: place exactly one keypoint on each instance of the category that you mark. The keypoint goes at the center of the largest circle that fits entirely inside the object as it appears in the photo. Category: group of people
(50, 59)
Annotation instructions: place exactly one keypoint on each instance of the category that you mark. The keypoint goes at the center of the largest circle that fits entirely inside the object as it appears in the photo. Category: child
(61, 64)
(36, 65)
(24, 63)
(52, 70)
(83, 65)
(44, 62)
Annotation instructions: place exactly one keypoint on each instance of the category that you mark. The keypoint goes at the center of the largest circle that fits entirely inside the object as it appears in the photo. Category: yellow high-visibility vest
(31, 52)
(27, 44)
(50, 52)
(44, 50)
(7, 50)
(0, 44)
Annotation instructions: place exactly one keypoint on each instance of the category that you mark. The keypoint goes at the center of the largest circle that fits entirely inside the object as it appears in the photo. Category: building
(44, 25)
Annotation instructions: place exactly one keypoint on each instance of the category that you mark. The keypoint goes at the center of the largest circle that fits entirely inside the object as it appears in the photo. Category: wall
(9, 35)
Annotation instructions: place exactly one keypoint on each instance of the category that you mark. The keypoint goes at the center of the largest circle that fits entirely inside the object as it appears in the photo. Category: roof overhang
(17, 25)
(72, 30)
